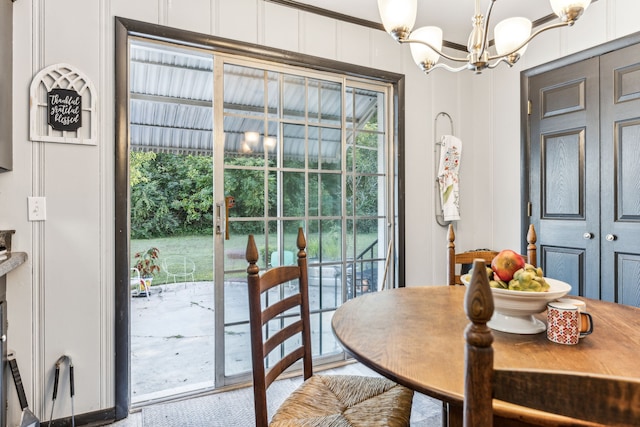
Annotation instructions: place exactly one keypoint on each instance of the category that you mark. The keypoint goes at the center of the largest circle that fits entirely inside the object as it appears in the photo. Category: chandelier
(511, 35)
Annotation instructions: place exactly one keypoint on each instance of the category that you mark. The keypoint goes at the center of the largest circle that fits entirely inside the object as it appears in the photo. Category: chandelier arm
(447, 67)
(485, 32)
(541, 30)
(499, 61)
(438, 51)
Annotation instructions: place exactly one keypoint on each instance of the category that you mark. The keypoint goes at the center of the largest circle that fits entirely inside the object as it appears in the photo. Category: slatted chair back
(261, 346)
(612, 401)
(458, 259)
(340, 400)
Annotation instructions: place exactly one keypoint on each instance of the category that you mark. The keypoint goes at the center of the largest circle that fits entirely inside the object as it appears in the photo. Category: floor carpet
(235, 408)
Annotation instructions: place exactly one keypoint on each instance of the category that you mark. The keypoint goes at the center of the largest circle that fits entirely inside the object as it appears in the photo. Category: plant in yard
(313, 247)
(147, 262)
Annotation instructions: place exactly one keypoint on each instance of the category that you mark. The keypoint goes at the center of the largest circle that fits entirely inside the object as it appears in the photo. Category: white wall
(62, 300)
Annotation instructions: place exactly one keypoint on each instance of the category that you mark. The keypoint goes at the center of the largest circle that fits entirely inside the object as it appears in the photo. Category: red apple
(506, 263)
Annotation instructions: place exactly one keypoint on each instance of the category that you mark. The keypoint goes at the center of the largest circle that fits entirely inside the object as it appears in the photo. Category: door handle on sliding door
(223, 223)
(219, 220)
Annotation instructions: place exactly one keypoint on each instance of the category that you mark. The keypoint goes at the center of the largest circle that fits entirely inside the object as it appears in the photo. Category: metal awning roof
(171, 93)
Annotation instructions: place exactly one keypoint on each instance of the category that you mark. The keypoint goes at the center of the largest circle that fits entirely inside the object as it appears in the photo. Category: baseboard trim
(89, 419)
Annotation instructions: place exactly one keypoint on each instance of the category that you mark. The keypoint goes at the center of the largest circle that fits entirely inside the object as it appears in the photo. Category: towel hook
(435, 125)
(439, 213)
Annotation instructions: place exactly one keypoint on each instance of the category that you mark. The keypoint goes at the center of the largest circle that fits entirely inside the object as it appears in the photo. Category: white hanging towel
(450, 153)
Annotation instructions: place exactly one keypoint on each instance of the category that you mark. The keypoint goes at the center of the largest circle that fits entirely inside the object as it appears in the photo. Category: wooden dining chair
(281, 336)
(466, 258)
(606, 400)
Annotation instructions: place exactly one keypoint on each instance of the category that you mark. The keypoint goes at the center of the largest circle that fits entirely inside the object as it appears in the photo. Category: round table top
(415, 336)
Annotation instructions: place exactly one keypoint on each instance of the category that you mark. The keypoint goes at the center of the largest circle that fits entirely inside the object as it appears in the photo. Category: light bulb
(251, 138)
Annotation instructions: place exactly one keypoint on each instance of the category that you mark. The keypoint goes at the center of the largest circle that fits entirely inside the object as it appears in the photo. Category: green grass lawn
(200, 250)
(197, 248)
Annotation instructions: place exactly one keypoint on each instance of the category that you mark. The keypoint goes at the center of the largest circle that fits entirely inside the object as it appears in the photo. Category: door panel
(620, 151)
(627, 278)
(565, 263)
(562, 166)
(564, 174)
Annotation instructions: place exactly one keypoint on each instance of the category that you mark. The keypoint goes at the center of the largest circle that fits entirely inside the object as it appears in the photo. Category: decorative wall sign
(63, 106)
(64, 109)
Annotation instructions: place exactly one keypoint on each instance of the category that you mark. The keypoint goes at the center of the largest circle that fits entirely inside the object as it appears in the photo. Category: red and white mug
(582, 308)
(565, 321)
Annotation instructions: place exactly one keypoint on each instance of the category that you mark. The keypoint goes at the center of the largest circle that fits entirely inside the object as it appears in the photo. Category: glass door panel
(170, 224)
(289, 162)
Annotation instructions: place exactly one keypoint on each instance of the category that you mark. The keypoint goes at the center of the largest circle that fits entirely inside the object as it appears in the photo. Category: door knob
(611, 237)
(588, 236)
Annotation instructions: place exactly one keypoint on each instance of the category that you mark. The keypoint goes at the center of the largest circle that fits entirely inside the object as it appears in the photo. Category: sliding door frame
(126, 28)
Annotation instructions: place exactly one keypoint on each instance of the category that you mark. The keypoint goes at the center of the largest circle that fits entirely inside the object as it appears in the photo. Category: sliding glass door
(225, 146)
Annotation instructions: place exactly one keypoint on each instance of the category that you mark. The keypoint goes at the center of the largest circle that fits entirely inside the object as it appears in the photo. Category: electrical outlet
(37, 208)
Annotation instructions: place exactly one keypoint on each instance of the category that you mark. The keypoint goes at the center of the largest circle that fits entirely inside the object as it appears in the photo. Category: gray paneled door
(584, 174)
(620, 170)
(564, 174)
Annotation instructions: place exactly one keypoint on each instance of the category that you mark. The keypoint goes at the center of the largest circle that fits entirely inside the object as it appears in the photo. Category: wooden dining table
(415, 336)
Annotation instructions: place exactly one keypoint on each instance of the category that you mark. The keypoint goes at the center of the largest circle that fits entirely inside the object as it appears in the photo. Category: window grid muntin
(343, 217)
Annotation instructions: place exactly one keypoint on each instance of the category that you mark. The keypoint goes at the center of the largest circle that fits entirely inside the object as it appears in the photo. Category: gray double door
(584, 174)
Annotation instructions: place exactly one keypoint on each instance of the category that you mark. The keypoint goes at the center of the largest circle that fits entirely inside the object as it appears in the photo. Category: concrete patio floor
(172, 340)
(172, 335)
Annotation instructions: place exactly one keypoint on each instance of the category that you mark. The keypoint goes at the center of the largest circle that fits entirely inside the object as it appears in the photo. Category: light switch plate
(37, 207)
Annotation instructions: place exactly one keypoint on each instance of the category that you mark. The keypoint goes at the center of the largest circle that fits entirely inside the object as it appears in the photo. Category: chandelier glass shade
(422, 54)
(511, 36)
